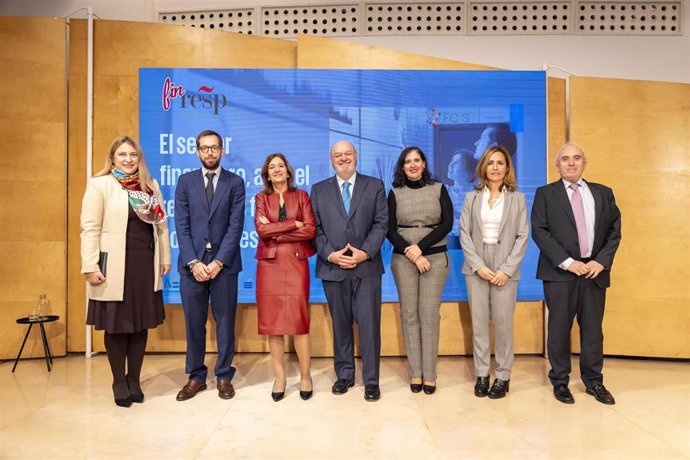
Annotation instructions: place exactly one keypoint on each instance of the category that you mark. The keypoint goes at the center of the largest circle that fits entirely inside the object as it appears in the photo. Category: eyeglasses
(213, 148)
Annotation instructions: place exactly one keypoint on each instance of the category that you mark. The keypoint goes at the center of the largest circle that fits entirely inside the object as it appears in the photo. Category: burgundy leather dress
(282, 273)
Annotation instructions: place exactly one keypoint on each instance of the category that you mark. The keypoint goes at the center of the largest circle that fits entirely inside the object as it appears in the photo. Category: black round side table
(41, 320)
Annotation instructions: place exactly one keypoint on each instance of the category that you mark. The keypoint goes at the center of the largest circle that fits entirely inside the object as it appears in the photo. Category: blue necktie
(346, 197)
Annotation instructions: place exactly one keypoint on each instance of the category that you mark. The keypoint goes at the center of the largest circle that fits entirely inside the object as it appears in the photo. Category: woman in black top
(420, 216)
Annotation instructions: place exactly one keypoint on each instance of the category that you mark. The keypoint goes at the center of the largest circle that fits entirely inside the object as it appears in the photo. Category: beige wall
(636, 135)
(32, 190)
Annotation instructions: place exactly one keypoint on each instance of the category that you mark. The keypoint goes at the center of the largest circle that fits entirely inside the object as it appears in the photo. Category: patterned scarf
(145, 205)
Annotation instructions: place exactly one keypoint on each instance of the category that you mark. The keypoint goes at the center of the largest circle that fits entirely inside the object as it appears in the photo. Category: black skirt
(141, 308)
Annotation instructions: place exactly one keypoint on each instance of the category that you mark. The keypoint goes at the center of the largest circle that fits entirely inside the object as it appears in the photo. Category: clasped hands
(590, 269)
(414, 255)
(497, 278)
(203, 272)
(348, 262)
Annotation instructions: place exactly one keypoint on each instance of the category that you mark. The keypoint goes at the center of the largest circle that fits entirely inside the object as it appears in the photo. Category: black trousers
(566, 300)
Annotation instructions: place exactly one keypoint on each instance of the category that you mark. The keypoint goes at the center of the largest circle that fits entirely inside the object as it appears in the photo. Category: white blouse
(491, 217)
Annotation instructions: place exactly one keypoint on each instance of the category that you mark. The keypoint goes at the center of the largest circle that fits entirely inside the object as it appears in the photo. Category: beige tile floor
(69, 413)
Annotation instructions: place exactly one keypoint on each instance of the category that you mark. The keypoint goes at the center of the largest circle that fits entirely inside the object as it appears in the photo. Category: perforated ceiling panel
(240, 20)
(288, 21)
(626, 18)
(415, 18)
(460, 17)
(519, 18)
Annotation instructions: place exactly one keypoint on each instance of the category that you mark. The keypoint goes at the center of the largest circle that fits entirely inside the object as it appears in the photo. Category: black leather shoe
(499, 389)
(306, 394)
(429, 389)
(341, 386)
(415, 387)
(372, 392)
(601, 394)
(481, 388)
(563, 394)
(137, 397)
(278, 395)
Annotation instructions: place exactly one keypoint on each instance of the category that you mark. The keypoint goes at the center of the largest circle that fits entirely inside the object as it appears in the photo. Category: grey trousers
(420, 302)
(490, 302)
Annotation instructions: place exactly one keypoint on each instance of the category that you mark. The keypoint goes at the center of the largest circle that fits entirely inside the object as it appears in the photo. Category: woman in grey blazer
(493, 235)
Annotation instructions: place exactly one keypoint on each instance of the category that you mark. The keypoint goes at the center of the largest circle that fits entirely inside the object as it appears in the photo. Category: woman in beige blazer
(125, 251)
(493, 235)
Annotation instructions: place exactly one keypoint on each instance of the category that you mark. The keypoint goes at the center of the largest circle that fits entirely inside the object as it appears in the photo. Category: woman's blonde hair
(509, 180)
(144, 177)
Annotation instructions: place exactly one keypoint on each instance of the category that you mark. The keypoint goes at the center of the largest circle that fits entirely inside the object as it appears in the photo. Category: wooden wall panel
(33, 186)
(636, 135)
(556, 124)
(76, 184)
(325, 53)
(120, 49)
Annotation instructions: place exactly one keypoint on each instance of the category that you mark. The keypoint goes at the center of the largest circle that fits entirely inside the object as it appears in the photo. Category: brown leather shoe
(190, 390)
(225, 389)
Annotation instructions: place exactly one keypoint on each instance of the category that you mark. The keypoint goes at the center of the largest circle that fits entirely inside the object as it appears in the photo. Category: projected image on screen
(451, 115)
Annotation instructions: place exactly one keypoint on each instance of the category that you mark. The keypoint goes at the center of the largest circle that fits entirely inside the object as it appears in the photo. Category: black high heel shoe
(304, 394)
(122, 402)
(481, 388)
(429, 389)
(499, 389)
(278, 395)
(135, 392)
(416, 387)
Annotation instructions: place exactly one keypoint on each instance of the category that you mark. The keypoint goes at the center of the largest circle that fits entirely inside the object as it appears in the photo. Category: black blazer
(554, 231)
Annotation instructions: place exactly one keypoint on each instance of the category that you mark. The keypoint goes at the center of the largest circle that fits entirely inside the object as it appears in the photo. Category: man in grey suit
(577, 226)
(351, 223)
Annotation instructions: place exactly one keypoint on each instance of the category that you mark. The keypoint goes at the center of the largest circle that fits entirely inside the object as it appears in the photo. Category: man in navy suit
(351, 223)
(209, 217)
(577, 226)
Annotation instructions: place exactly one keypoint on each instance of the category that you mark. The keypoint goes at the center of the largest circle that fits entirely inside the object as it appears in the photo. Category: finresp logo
(171, 91)
(203, 98)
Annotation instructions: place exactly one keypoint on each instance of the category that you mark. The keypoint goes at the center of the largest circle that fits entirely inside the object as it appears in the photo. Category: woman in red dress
(285, 223)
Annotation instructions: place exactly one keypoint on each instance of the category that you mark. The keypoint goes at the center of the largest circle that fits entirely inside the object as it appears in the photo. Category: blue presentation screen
(450, 115)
